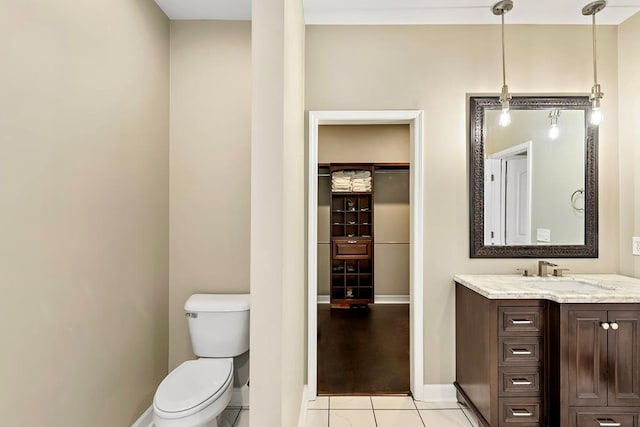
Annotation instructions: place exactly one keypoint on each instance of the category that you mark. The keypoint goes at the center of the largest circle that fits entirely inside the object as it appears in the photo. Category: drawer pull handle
(521, 321)
(607, 422)
(521, 413)
(520, 381)
(351, 242)
(520, 352)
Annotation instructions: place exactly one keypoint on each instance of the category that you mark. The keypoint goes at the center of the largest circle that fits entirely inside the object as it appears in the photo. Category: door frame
(504, 155)
(414, 118)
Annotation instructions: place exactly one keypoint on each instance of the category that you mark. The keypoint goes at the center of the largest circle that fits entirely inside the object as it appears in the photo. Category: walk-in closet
(363, 259)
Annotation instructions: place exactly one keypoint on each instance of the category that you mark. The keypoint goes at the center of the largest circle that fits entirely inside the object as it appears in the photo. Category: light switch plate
(635, 246)
(543, 235)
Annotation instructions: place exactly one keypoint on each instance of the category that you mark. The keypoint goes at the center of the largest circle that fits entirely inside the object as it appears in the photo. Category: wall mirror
(534, 183)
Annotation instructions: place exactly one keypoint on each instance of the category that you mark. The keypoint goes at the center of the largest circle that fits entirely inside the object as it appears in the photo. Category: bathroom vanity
(561, 352)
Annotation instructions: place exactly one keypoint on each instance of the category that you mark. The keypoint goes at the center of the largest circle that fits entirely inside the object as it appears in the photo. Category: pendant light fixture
(554, 130)
(501, 8)
(596, 92)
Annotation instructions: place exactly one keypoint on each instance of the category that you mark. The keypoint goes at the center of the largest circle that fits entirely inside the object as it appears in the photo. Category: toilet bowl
(194, 394)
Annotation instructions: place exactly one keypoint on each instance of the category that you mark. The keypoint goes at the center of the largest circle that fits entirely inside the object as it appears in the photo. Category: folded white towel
(361, 174)
(340, 174)
(361, 182)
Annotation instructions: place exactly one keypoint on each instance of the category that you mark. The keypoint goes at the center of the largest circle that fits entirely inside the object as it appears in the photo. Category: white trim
(392, 299)
(439, 393)
(146, 419)
(312, 257)
(414, 119)
(524, 147)
(416, 281)
(304, 404)
(379, 299)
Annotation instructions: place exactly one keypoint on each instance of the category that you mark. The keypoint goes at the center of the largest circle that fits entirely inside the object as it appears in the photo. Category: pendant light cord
(504, 70)
(595, 68)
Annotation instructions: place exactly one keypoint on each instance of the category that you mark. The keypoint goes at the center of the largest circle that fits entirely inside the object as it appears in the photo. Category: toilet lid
(193, 383)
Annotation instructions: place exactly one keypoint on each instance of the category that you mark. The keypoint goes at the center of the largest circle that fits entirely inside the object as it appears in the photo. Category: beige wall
(363, 143)
(210, 166)
(629, 85)
(277, 240)
(433, 68)
(84, 143)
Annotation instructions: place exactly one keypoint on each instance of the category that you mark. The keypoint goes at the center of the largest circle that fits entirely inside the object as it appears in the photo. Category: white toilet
(196, 392)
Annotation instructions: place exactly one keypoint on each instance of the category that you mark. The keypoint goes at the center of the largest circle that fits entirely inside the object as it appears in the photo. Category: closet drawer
(520, 321)
(351, 249)
(523, 412)
(520, 381)
(520, 351)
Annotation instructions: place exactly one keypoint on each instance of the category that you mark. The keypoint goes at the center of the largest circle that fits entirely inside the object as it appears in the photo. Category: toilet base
(207, 417)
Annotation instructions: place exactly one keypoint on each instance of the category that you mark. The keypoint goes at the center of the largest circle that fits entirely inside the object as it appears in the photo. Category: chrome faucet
(542, 267)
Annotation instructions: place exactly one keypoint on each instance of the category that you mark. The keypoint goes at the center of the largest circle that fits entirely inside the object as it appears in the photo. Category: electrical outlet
(636, 246)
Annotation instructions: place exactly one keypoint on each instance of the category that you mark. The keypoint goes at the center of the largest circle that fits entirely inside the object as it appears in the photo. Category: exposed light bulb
(596, 116)
(505, 118)
(554, 131)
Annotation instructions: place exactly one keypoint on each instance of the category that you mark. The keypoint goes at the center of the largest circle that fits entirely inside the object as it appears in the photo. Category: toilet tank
(218, 324)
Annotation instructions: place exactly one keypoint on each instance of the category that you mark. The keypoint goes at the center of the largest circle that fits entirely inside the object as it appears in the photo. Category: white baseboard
(146, 419)
(379, 299)
(392, 299)
(439, 393)
(304, 404)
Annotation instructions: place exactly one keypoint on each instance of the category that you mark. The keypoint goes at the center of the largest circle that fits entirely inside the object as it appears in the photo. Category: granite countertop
(605, 288)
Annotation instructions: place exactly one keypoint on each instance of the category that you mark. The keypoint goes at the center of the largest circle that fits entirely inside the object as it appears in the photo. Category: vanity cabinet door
(624, 358)
(587, 358)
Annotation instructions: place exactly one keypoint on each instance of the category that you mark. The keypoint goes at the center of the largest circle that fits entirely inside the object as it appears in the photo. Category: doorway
(508, 178)
(414, 119)
(363, 295)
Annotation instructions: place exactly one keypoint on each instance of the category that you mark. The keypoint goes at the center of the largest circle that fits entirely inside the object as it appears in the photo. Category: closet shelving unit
(351, 216)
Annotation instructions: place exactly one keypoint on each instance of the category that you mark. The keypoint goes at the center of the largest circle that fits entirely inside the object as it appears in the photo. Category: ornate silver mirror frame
(478, 106)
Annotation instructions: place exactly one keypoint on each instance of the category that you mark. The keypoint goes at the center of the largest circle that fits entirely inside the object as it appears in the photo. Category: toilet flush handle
(192, 315)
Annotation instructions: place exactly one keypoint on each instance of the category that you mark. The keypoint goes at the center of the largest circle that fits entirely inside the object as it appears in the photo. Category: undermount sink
(570, 285)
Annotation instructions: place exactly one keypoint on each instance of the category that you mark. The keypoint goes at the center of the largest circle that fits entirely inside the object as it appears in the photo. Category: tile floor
(384, 411)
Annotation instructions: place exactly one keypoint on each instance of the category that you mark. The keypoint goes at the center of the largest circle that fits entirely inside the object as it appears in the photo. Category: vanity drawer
(351, 249)
(520, 412)
(603, 417)
(520, 381)
(520, 321)
(520, 351)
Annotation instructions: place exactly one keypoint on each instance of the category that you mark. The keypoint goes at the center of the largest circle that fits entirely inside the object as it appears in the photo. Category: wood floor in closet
(363, 351)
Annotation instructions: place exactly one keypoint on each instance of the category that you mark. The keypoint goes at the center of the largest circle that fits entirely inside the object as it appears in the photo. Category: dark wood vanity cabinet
(501, 359)
(528, 363)
(600, 364)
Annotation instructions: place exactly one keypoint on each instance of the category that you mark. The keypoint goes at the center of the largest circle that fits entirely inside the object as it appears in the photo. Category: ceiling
(412, 11)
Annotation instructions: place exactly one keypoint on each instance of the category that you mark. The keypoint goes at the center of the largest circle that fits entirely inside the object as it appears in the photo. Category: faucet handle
(557, 272)
(525, 272)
